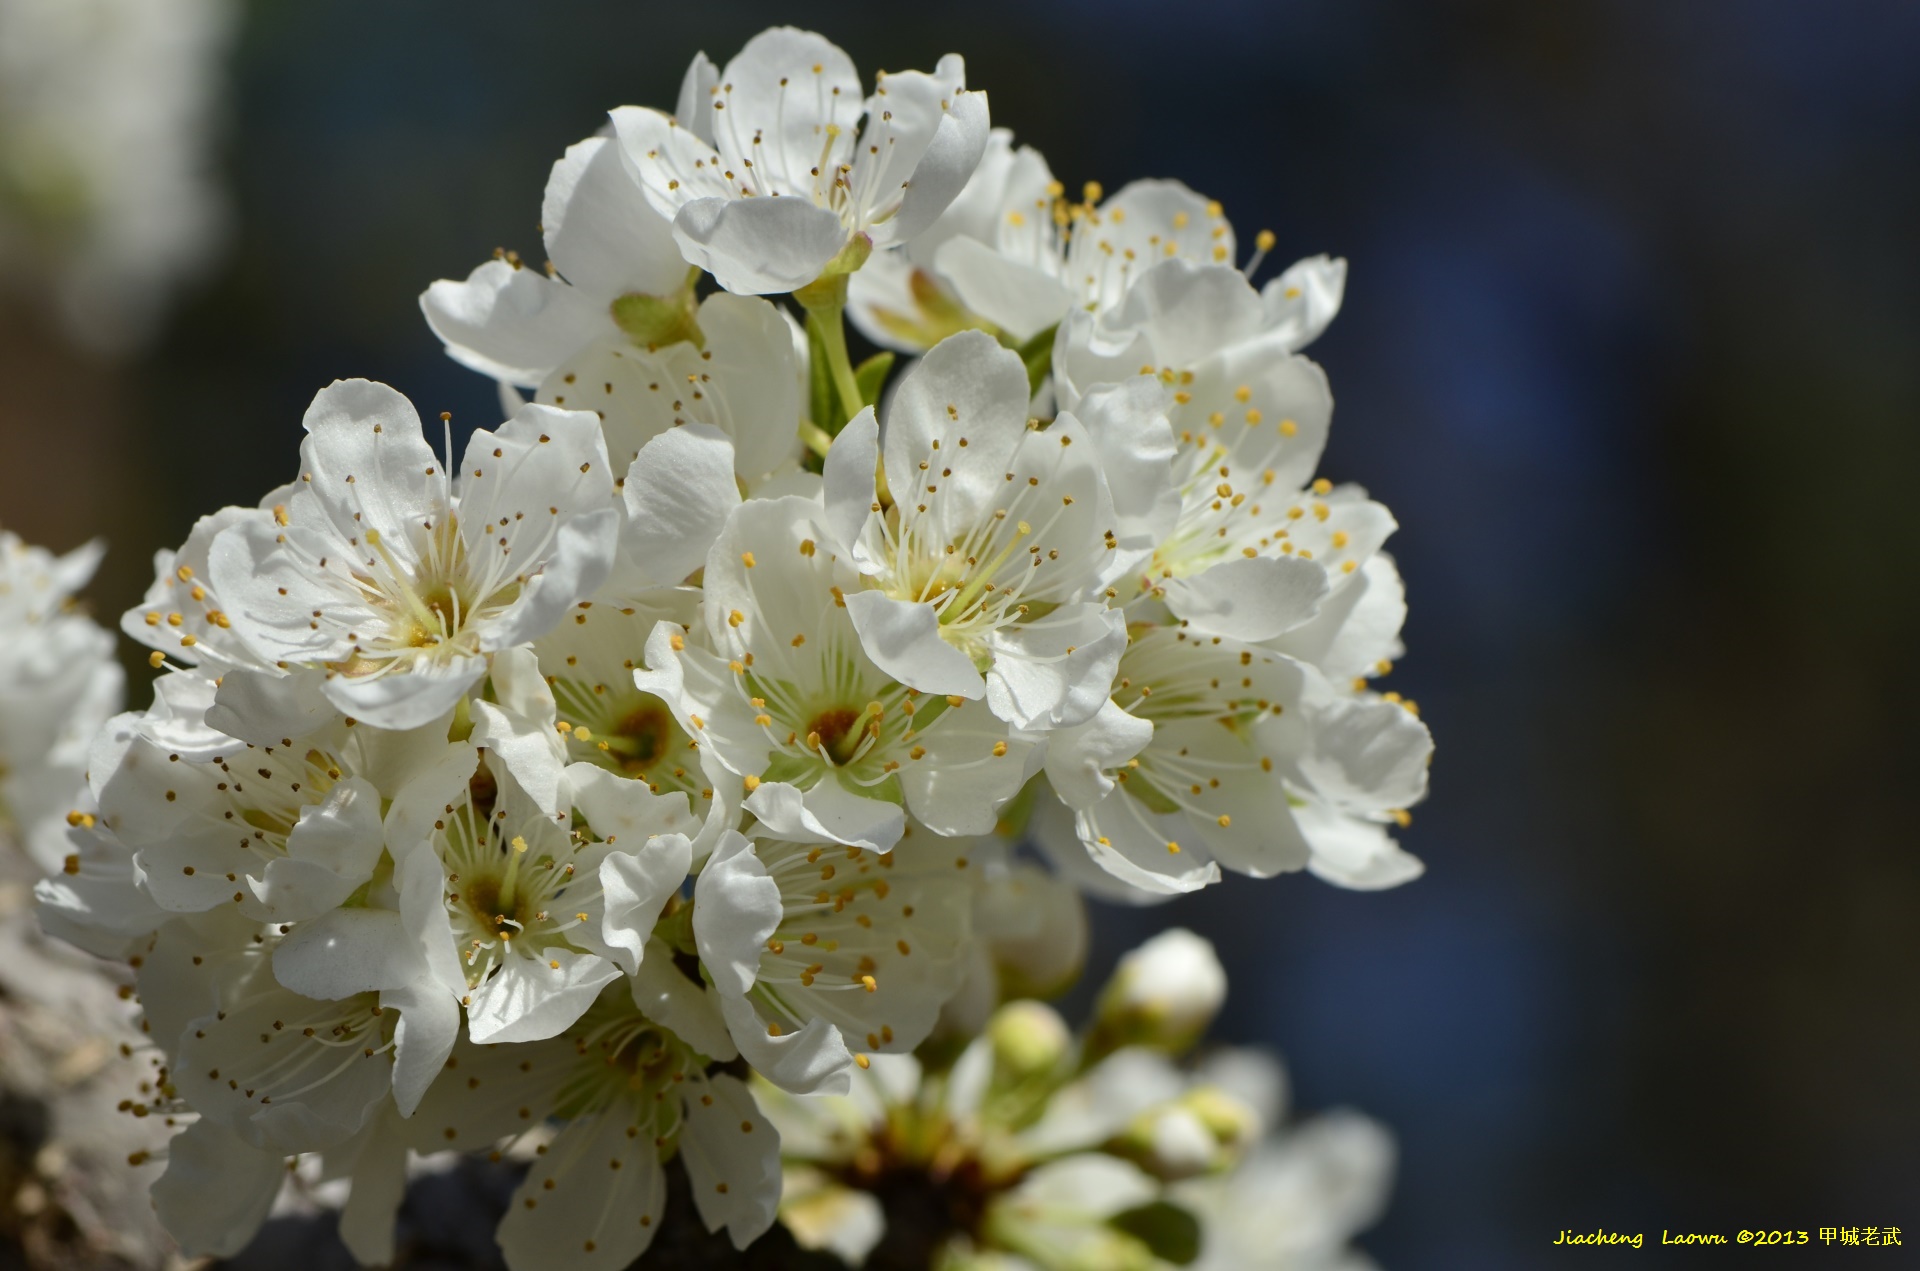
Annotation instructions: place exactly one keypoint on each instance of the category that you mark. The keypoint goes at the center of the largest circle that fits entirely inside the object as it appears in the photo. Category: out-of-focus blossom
(107, 195)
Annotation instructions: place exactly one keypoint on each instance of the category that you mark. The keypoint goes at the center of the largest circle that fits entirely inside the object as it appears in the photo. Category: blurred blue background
(1631, 347)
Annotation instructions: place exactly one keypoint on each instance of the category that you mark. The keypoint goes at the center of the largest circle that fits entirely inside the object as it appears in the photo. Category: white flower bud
(1163, 994)
(1028, 1038)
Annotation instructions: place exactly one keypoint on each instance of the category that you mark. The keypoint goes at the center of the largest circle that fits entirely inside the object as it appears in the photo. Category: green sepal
(871, 376)
(1171, 1232)
(820, 393)
(1037, 353)
(653, 322)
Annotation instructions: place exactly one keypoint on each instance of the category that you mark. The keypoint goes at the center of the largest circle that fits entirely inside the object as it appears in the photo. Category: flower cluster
(58, 685)
(1035, 1149)
(682, 730)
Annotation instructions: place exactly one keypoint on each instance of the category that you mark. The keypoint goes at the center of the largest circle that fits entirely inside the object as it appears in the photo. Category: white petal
(1349, 851)
(520, 689)
(757, 385)
(788, 88)
(1091, 1186)
(847, 816)
(422, 801)
(524, 746)
(603, 235)
(1301, 302)
(264, 707)
(636, 885)
(971, 766)
(407, 699)
(1127, 423)
(759, 247)
(736, 908)
(1249, 598)
(1144, 223)
(949, 159)
(330, 852)
(966, 385)
(847, 478)
(1357, 627)
(1368, 755)
(1133, 866)
(592, 1215)
(348, 951)
(379, 1174)
(812, 1060)
(517, 483)
(422, 1040)
(1193, 310)
(693, 110)
(678, 494)
(366, 463)
(1017, 296)
(512, 323)
(621, 810)
(903, 639)
(272, 593)
(1080, 758)
(531, 998)
(671, 164)
(732, 1155)
(422, 880)
(216, 1190)
(579, 562)
(664, 994)
(1056, 672)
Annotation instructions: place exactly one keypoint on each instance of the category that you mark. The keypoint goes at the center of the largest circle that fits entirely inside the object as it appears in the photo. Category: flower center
(643, 736)
(502, 915)
(439, 618)
(832, 733)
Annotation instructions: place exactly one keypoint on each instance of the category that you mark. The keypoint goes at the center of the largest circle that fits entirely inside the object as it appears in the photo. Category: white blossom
(769, 174)
(1013, 256)
(630, 1091)
(988, 576)
(673, 755)
(389, 584)
(788, 693)
(1216, 752)
(616, 274)
(108, 145)
(822, 953)
(525, 917)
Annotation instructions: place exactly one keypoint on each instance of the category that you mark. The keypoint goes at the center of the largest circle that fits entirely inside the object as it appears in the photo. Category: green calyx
(653, 322)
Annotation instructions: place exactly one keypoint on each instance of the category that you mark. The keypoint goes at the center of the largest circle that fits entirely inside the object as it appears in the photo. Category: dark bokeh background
(1630, 348)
